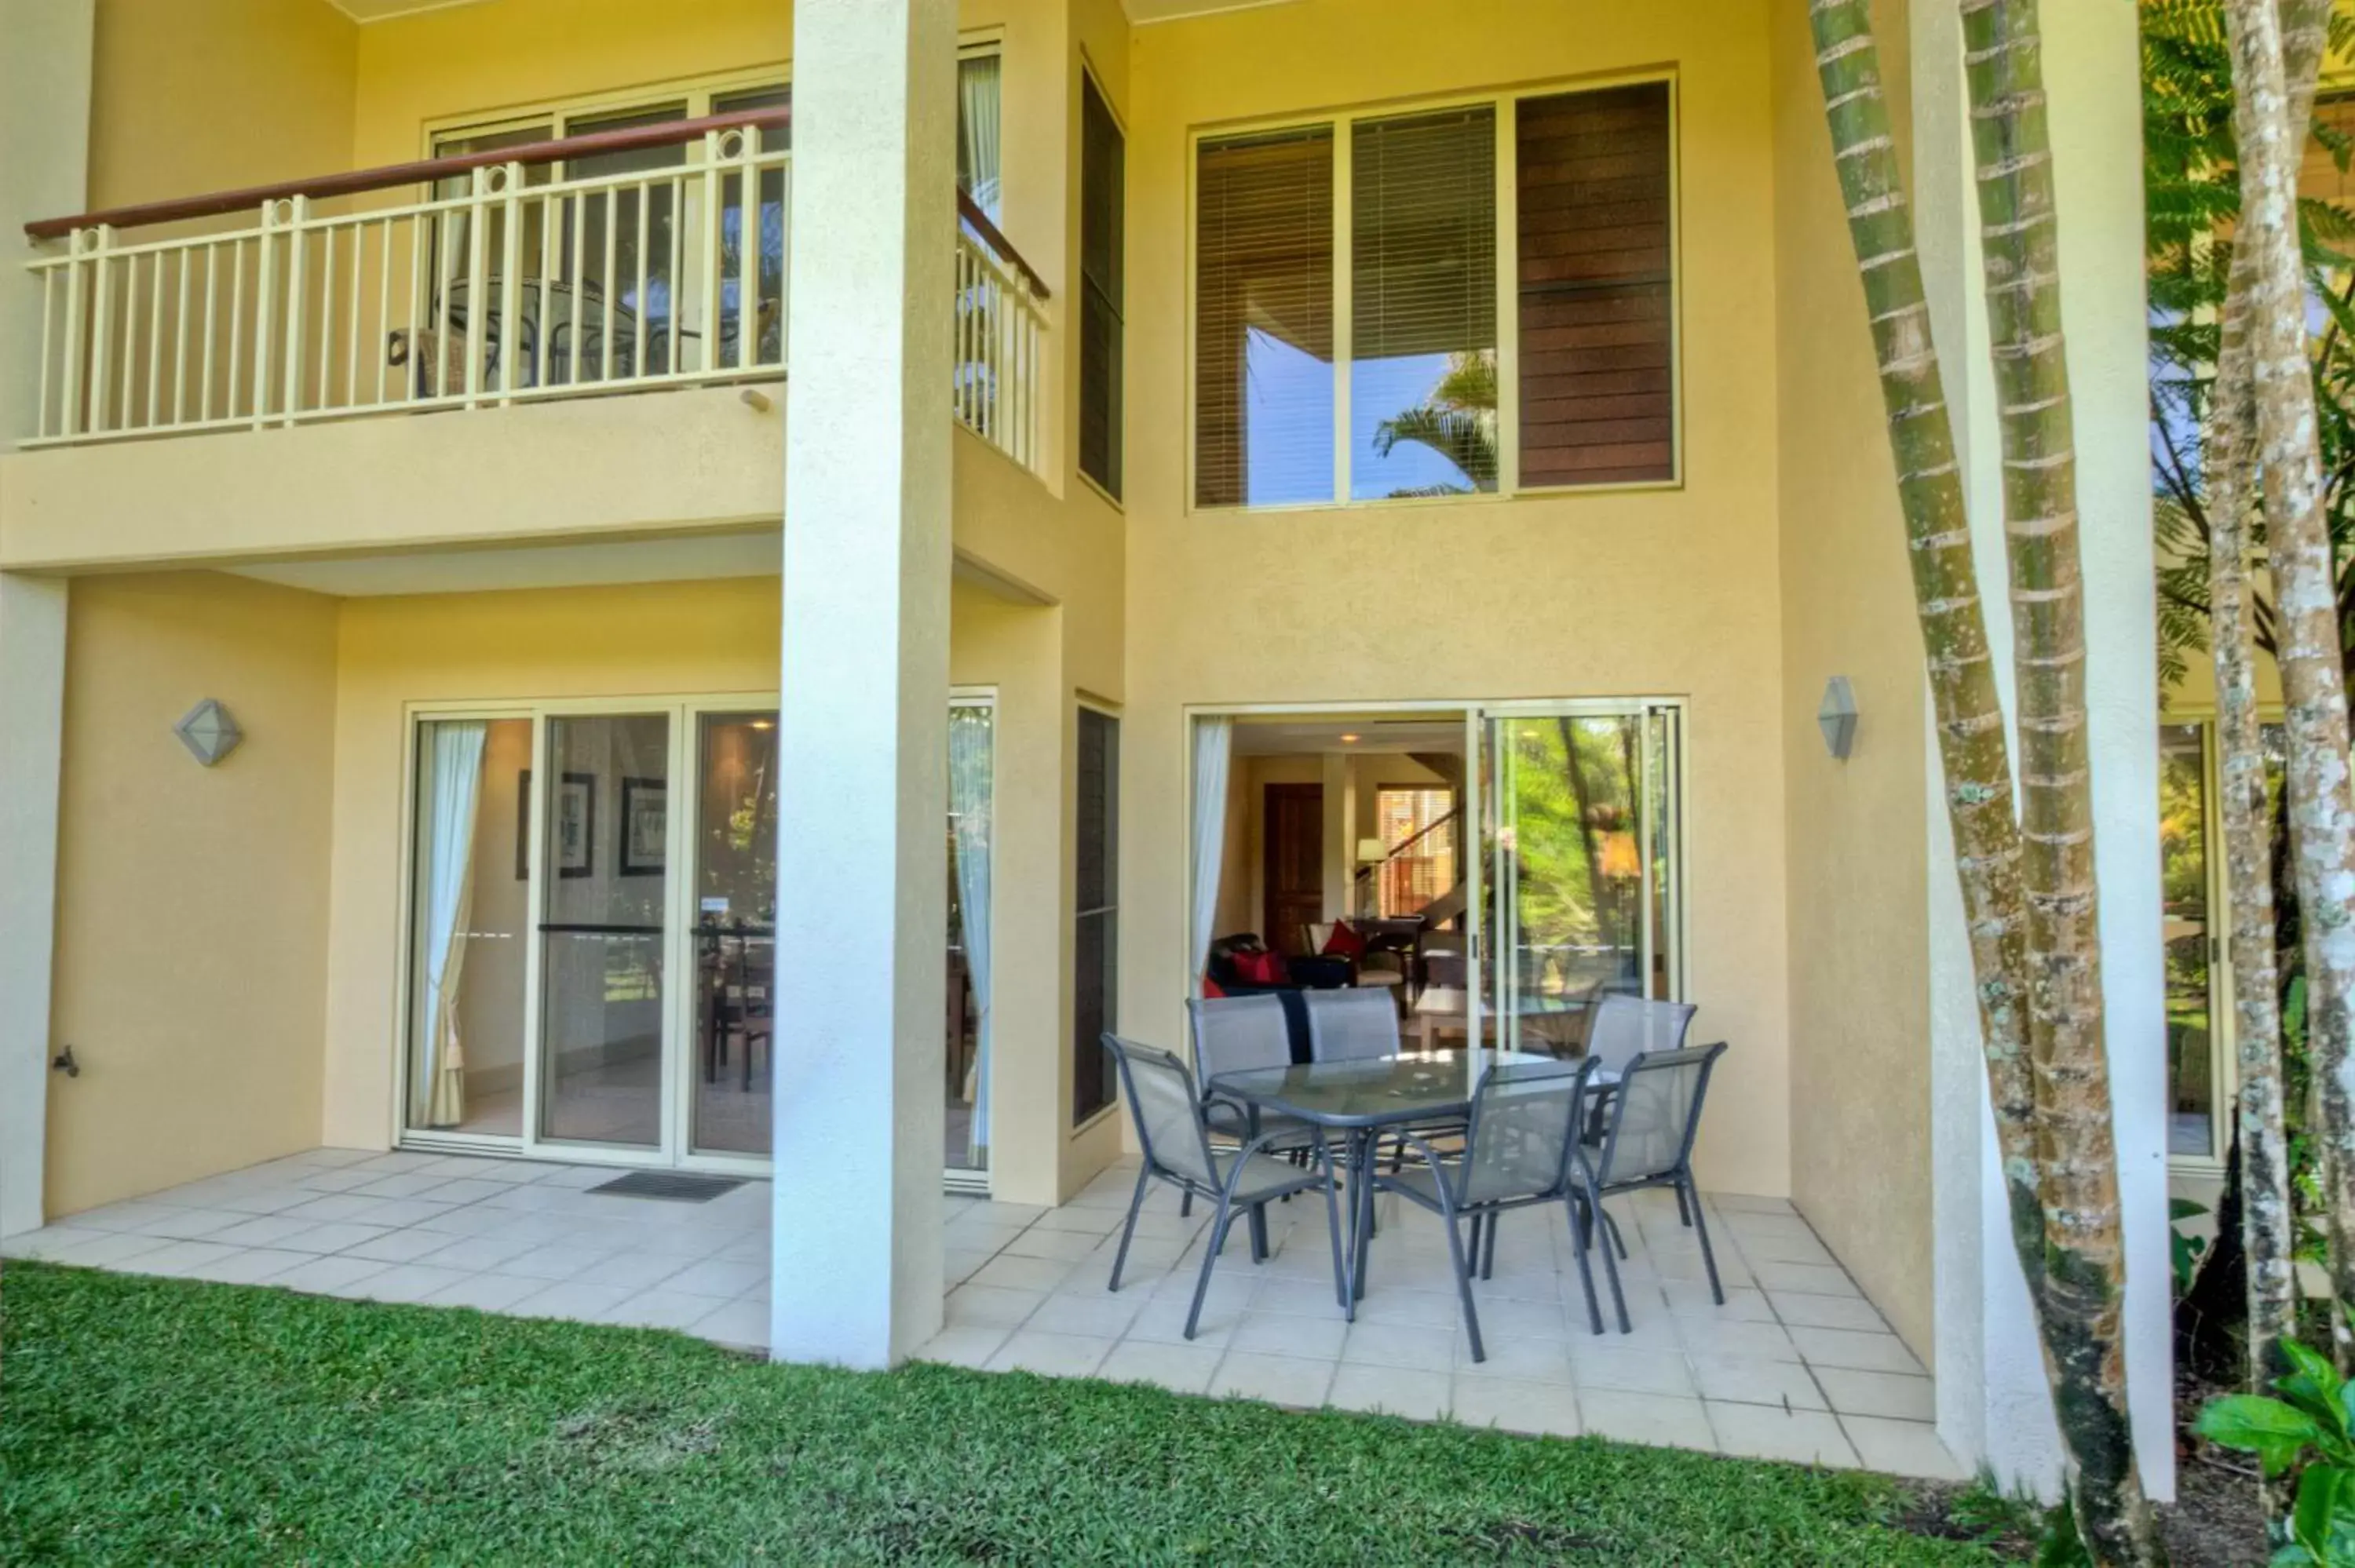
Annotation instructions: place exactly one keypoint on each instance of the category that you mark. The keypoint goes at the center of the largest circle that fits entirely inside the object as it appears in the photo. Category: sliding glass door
(1579, 856)
(567, 994)
(604, 915)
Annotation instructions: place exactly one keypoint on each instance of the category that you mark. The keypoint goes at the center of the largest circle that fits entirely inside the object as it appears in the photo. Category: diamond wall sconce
(209, 732)
(1836, 717)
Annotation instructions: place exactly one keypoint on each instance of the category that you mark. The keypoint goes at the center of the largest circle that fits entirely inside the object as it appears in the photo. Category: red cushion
(1261, 968)
(1212, 988)
(1345, 942)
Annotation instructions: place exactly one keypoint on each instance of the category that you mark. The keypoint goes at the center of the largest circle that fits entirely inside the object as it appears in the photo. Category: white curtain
(969, 810)
(977, 79)
(454, 778)
(1214, 740)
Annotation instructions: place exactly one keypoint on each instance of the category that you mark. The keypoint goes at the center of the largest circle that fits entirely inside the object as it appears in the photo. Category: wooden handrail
(352, 182)
(420, 171)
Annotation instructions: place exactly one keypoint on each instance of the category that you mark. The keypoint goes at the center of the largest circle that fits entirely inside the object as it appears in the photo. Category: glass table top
(1410, 1087)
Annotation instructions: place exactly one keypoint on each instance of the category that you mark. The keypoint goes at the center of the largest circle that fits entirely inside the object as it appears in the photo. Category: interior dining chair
(1654, 1117)
(1176, 1141)
(1517, 1152)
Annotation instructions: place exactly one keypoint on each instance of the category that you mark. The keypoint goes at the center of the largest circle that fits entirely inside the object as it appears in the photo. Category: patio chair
(1177, 1144)
(1236, 1034)
(1621, 1028)
(1351, 1025)
(1654, 1117)
(1517, 1152)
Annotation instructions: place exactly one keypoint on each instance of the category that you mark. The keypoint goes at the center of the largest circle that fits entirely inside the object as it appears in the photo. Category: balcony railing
(510, 279)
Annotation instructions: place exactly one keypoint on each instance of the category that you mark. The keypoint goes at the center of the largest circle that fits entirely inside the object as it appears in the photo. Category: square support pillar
(863, 717)
(32, 736)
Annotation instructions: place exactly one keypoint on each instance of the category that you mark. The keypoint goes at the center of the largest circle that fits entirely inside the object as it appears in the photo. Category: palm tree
(1457, 420)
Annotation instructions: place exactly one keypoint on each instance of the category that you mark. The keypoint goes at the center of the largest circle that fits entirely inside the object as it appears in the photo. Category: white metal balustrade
(503, 285)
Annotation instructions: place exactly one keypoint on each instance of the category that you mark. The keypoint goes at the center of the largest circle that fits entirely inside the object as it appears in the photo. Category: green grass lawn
(155, 1421)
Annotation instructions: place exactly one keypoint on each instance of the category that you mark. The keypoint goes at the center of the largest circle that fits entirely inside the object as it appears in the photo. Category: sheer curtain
(455, 781)
(977, 156)
(969, 809)
(1214, 740)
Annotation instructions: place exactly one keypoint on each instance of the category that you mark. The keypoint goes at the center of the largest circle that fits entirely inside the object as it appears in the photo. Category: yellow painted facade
(1773, 564)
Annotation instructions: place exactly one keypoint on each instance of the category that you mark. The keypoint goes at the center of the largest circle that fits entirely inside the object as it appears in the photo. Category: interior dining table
(1361, 1100)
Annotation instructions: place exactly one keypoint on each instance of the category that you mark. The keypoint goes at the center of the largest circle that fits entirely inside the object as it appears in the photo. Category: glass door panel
(1579, 839)
(604, 895)
(735, 932)
(469, 907)
(972, 737)
(2193, 1066)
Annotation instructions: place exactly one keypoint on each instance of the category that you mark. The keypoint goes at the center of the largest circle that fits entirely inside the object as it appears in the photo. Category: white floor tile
(409, 1281)
(1902, 1448)
(1101, 1314)
(336, 1277)
(1549, 1409)
(1645, 1418)
(662, 1309)
(1894, 1395)
(1852, 1312)
(969, 1345)
(179, 1258)
(1278, 1379)
(1397, 1345)
(1293, 1334)
(489, 1292)
(1793, 1436)
(1394, 1391)
(249, 1266)
(991, 1306)
(1860, 1352)
(742, 1323)
(1181, 1368)
(1057, 1355)
(571, 1298)
(1743, 1379)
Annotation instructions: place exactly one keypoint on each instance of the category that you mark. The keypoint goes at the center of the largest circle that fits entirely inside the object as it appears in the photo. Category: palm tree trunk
(2269, 1226)
(1967, 710)
(2085, 1271)
(2314, 689)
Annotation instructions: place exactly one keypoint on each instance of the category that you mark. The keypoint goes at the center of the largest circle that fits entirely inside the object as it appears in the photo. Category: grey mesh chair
(1518, 1151)
(1236, 1034)
(1625, 1027)
(1351, 1025)
(1177, 1143)
(1654, 1119)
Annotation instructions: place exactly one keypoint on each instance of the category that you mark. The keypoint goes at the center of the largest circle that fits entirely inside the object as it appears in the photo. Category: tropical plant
(2053, 1146)
(1456, 420)
(2305, 1428)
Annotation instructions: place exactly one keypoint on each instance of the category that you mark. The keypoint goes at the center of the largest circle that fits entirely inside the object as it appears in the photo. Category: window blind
(1102, 265)
(1095, 925)
(1264, 319)
(1596, 341)
(1422, 330)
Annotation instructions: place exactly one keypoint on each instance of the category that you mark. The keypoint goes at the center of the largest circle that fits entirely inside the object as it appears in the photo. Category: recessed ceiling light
(1349, 740)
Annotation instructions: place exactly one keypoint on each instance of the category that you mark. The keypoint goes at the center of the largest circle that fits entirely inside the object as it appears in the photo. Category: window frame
(1342, 120)
(1108, 913)
(1118, 419)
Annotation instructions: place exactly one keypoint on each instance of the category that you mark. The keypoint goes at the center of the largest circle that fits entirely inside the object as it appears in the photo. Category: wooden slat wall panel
(1597, 338)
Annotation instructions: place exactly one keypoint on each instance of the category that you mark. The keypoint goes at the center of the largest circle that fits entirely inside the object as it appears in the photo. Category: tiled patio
(1796, 1365)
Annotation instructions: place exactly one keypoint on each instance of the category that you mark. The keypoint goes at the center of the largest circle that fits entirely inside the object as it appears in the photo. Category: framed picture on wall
(645, 826)
(574, 837)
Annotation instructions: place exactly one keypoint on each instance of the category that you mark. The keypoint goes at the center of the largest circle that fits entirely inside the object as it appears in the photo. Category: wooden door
(1293, 816)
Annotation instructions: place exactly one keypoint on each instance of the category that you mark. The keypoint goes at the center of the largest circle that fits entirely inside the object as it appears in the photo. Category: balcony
(490, 278)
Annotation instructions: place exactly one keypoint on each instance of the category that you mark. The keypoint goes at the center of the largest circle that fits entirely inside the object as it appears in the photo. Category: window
(1416, 825)
(1102, 237)
(1096, 925)
(978, 171)
(1357, 336)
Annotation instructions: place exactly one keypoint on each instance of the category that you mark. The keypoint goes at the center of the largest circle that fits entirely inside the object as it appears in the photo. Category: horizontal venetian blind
(1103, 267)
(1596, 339)
(1422, 330)
(1264, 319)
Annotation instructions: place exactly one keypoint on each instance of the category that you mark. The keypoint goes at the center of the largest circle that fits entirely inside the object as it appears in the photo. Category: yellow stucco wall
(1857, 906)
(192, 905)
(1670, 592)
(191, 96)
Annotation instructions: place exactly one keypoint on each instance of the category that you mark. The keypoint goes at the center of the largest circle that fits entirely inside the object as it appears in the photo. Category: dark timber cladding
(1598, 352)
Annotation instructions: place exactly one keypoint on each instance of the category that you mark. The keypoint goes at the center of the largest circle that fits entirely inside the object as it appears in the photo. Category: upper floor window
(1356, 338)
(1103, 239)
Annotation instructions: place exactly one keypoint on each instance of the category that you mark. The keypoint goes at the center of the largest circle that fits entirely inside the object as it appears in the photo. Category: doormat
(673, 1186)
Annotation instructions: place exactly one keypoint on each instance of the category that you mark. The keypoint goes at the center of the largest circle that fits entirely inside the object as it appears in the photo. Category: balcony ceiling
(382, 10)
(1139, 11)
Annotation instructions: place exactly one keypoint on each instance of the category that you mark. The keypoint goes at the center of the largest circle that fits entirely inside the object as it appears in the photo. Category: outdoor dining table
(1363, 1099)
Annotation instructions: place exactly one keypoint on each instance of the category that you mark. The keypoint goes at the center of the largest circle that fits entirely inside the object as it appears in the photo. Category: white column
(32, 720)
(45, 62)
(861, 872)
(45, 58)
(1994, 1402)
